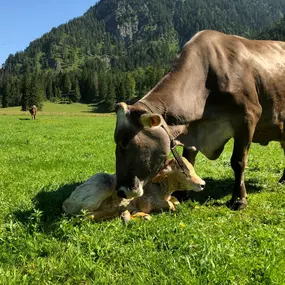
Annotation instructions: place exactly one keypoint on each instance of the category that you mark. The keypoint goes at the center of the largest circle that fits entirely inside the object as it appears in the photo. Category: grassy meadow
(50, 108)
(203, 242)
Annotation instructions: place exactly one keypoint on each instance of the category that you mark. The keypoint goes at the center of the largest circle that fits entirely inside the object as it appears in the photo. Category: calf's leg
(105, 214)
(141, 215)
(174, 201)
(162, 205)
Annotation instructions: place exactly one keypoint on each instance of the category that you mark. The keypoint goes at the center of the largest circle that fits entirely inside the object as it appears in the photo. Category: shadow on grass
(25, 119)
(98, 107)
(49, 203)
(216, 189)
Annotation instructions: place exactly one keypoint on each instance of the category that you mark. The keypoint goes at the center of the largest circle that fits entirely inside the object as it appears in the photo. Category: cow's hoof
(237, 205)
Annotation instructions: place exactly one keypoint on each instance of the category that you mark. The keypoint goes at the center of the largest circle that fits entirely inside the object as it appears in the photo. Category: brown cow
(220, 87)
(33, 111)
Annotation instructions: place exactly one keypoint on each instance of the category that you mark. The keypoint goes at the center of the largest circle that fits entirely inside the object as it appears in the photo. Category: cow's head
(142, 148)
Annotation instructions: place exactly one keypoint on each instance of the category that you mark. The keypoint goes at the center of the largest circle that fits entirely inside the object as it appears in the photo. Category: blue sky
(22, 21)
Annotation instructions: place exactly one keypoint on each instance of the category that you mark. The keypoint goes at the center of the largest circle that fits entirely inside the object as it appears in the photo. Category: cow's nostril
(121, 194)
(203, 184)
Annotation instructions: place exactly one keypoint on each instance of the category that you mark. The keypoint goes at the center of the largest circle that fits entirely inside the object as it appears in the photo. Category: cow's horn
(192, 148)
(122, 106)
(178, 143)
(122, 119)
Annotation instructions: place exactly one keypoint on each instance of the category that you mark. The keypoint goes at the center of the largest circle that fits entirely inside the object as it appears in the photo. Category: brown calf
(98, 194)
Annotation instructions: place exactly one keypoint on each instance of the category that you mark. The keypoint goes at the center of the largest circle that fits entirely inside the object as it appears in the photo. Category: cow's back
(241, 71)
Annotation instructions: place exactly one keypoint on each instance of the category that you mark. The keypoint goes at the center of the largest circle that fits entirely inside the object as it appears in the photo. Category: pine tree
(77, 95)
(37, 92)
(121, 91)
(6, 93)
(91, 85)
(26, 91)
(130, 87)
(110, 100)
(66, 84)
(103, 86)
(4, 99)
(49, 89)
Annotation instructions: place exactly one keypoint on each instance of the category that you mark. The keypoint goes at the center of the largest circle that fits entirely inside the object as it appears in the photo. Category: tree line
(119, 49)
(103, 88)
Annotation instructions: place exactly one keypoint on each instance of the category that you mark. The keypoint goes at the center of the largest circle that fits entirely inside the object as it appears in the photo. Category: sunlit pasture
(202, 242)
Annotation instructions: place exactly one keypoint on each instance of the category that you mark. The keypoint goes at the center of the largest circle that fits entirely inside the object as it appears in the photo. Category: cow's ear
(151, 120)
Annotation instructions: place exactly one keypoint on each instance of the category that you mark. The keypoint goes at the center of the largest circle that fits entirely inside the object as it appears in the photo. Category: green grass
(203, 242)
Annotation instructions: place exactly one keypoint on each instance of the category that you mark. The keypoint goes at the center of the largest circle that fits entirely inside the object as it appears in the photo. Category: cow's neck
(179, 99)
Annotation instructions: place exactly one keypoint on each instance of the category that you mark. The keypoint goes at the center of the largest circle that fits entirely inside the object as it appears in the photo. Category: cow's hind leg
(282, 179)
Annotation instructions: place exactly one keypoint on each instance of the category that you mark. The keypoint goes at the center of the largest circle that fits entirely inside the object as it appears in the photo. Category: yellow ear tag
(155, 121)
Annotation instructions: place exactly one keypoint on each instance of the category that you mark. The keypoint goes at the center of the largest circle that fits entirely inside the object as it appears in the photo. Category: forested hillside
(120, 48)
(275, 32)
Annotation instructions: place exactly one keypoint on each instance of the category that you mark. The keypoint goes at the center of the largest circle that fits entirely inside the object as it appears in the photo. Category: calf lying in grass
(98, 194)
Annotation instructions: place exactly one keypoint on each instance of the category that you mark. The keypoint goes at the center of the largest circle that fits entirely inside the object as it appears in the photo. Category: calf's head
(142, 147)
(177, 178)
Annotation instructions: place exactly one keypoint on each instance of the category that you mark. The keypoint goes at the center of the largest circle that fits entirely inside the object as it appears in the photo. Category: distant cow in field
(33, 111)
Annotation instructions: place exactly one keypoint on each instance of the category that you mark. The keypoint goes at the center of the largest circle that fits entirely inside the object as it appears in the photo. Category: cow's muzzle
(129, 193)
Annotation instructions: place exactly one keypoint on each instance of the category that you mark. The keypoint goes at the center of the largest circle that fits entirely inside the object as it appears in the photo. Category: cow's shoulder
(208, 37)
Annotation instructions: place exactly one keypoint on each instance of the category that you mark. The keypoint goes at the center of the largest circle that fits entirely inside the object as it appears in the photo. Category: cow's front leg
(282, 179)
(190, 155)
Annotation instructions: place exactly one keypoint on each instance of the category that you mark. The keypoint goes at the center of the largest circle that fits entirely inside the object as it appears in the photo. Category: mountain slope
(275, 32)
(128, 33)
(119, 49)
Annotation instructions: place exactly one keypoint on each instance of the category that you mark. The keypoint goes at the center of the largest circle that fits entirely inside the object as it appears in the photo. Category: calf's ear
(150, 120)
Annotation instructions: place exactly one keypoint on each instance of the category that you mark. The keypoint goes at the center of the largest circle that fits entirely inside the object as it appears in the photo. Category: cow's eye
(124, 142)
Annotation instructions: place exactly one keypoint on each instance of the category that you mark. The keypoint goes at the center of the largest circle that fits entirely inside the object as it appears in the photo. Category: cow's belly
(265, 133)
(209, 137)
